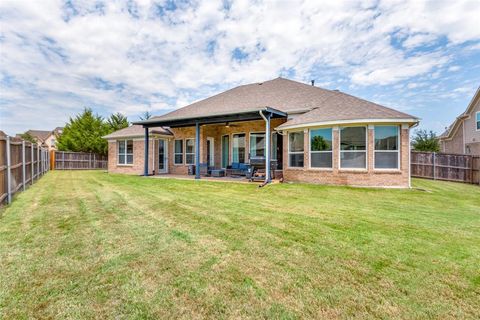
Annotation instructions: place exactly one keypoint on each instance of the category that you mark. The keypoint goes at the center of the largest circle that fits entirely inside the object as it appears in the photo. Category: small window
(321, 148)
(52, 142)
(353, 147)
(386, 147)
(478, 120)
(190, 151)
(295, 149)
(178, 152)
(125, 151)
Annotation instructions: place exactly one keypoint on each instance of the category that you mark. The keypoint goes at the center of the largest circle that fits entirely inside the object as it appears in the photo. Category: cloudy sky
(57, 57)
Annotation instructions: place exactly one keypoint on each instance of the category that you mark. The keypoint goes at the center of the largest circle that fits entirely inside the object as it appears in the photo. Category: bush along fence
(21, 163)
(442, 166)
(66, 160)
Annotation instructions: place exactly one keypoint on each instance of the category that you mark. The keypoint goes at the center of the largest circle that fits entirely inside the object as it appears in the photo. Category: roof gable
(287, 96)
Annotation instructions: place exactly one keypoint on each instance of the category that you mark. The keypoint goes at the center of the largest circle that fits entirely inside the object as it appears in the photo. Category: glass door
(162, 156)
(225, 150)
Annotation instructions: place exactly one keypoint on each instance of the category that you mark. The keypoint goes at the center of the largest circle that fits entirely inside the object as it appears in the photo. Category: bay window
(386, 147)
(190, 151)
(353, 147)
(178, 152)
(321, 148)
(295, 149)
(125, 151)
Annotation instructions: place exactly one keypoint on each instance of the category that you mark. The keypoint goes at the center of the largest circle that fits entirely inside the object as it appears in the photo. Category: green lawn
(94, 245)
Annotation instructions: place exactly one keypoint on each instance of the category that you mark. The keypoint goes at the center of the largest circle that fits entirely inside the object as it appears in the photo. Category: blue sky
(57, 57)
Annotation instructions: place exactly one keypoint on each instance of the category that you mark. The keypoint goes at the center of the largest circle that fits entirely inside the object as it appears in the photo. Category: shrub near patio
(95, 245)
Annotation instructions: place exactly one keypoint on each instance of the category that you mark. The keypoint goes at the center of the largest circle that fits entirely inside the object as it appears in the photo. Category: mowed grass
(95, 245)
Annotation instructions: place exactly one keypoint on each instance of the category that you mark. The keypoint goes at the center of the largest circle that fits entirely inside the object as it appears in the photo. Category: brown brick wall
(138, 158)
(337, 176)
(454, 145)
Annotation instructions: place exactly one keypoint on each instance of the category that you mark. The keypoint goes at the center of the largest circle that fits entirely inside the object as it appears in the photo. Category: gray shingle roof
(287, 96)
(137, 131)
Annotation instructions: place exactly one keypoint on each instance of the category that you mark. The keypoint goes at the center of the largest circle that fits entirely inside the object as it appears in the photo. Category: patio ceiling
(214, 118)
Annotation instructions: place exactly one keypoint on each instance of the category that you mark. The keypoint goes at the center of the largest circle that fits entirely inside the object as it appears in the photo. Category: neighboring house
(46, 138)
(314, 135)
(463, 135)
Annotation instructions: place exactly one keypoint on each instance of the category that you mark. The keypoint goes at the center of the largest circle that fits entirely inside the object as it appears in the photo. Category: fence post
(24, 171)
(434, 169)
(9, 171)
(31, 163)
(38, 162)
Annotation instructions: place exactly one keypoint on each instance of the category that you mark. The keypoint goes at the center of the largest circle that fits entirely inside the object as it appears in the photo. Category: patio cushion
(235, 165)
(243, 166)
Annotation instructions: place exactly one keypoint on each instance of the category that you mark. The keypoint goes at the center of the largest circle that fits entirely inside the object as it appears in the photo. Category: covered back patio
(227, 144)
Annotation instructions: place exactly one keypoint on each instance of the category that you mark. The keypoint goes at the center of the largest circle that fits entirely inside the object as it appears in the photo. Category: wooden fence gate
(442, 166)
(21, 163)
(66, 160)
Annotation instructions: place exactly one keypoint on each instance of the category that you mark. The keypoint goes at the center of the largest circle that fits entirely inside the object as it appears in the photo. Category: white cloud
(62, 58)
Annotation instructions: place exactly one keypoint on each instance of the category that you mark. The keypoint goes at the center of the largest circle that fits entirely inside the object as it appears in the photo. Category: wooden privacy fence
(66, 160)
(442, 166)
(21, 163)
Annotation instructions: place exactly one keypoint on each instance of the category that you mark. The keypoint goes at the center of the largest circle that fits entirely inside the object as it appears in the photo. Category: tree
(425, 141)
(145, 116)
(320, 144)
(28, 137)
(84, 134)
(117, 121)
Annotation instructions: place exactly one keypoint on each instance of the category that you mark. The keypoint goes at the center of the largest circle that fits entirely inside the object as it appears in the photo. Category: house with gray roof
(277, 129)
(463, 135)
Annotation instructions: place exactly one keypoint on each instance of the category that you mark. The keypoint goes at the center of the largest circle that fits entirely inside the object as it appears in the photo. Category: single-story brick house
(314, 135)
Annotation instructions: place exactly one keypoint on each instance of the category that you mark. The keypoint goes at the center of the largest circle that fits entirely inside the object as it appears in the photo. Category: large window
(321, 148)
(238, 148)
(257, 145)
(295, 149)
(353, 147)
(386, 147)
(225, 150)
(178, 152)
(125, 151)
(478, 120)
(190, 151)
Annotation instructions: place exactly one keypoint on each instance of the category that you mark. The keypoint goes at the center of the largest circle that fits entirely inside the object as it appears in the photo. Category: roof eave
(285, 126)
(253, 114)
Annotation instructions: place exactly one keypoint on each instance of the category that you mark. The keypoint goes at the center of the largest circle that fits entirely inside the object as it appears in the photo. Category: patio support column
(197, 150)
(267, 147)
(145, 172)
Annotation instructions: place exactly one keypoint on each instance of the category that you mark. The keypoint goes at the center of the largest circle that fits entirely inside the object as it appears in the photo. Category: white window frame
(231, 146)
(189, 153)
(391, 151)
(310, 150)
(126, 154)
(221, 151)
(340, 149)
(250, 141)
(177, 153)
(477, 120)
(295, 152)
